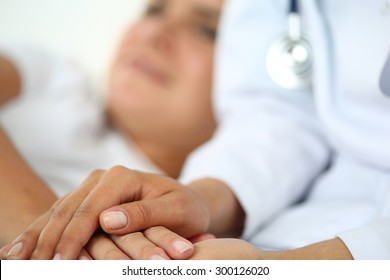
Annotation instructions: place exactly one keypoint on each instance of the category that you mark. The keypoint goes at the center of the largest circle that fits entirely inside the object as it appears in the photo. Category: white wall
(86, 29)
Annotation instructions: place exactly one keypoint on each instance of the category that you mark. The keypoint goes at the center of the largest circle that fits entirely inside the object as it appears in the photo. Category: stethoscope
(290, 58)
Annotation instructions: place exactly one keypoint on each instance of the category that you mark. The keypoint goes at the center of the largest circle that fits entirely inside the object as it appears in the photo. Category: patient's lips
(146, 67)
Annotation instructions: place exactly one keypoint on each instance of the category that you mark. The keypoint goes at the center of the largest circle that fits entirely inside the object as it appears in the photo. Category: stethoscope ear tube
(294, 8)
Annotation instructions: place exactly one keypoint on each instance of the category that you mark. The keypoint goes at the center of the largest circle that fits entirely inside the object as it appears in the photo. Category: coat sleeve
(371, 242)
(269, 144)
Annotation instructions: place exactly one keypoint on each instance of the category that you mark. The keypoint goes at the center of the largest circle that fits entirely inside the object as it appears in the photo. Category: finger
(4, 251)
(202, 237)
(137, 216)
(61, 214)
(84, 256)
(23, 246)
(177, 247)
(138, 247)
(100, 247)
(120, 185)
(115, 187)
(175, 211)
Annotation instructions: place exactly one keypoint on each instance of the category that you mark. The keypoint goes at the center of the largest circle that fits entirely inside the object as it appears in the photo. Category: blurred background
(87, 30)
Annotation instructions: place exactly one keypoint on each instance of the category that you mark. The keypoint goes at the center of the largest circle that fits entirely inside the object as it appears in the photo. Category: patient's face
(161, 79)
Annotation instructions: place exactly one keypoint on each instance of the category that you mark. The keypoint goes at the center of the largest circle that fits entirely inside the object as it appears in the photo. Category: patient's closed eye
(205, 31)
(155, 9)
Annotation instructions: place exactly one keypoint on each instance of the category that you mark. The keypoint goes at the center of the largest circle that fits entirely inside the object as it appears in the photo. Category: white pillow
(88, 30)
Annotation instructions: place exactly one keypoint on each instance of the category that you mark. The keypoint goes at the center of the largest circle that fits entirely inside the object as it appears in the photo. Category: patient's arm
(23, 195)
(10, 83)
(235, 249)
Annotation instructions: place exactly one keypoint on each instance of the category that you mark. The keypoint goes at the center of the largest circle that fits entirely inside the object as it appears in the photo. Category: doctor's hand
(121, 201)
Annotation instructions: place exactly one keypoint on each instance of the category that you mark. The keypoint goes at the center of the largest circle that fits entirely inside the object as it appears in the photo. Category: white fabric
(88, 30)
(273, 145)
(371, 242)
(58, 126)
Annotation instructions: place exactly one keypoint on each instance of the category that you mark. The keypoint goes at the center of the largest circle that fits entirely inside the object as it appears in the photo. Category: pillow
(86, 30)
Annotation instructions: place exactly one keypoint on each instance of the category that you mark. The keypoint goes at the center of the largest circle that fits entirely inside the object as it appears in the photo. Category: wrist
(333, 249)
(203, 211)
(226, 217)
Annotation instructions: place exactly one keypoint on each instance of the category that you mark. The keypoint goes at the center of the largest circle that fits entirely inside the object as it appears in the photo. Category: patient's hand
(157, 243)
(156, 200)
(227, 249)
(235, 249)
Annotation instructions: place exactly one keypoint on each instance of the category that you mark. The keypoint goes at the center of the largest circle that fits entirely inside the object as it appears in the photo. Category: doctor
(305, 155)
(332, 133)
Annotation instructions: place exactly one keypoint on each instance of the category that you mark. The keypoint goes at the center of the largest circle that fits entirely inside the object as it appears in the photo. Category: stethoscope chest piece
(289, 63)
(289, 60)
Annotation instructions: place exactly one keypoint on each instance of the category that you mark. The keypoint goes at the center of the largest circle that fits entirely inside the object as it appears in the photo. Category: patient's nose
(158, 34)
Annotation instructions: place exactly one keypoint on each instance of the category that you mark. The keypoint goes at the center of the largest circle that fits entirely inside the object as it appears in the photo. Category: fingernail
(157, 258)
(181, 246)
(15, 250)
(115, 220)
(57, 257)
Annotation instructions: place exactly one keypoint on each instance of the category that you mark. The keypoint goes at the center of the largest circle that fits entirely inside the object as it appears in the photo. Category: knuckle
(154, 231)
(113, 254)
(59, 212)
(131, 176)
(83, 211)
(118, 169)
(142, 214)
(160, 234)
(96, 173)
(128, 239)
(93, 176)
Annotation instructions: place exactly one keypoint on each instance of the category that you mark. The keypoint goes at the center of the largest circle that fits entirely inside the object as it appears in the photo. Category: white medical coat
(328, 146)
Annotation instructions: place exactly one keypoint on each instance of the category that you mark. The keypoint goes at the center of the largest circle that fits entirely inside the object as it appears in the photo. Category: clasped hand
(109, 211)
